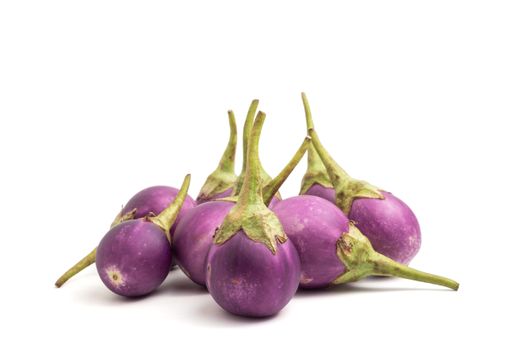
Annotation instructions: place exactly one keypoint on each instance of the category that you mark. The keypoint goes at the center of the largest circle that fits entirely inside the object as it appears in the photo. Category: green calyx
(231, 199)
(258, 223)
(247, 128)
(316, 171)
(224, 177)
(361, 260)
(250, 214)
(272, 187)
(346, 188)
(167, 217)
(121, 217)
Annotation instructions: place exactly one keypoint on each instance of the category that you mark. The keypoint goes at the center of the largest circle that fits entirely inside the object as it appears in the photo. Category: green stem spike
(248, 124)
(361, 260)
(316, 171)
(90, 258)
(250, 214)
(223, 178)
(273, 186)
(79, 266)
(346, 188)
(121, 217)
(167, 217)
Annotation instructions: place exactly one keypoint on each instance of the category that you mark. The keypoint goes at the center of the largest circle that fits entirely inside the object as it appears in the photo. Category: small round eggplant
(248, 279)
(194, 234)
(333, 250)
(388, 222)
(252, 269)
(134, 257)
(150, 201)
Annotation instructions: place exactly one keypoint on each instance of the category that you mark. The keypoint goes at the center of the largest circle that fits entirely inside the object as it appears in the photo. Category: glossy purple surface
(224, 194)
(323, 192)
(314, 225)
(389, 224)
(133, 258)
(246, 279)
(193, 238)
(154, 200)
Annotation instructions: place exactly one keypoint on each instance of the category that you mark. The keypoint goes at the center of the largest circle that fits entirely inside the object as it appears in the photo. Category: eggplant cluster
(249, 247)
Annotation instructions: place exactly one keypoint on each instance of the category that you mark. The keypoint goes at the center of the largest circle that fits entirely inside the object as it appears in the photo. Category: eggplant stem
(167, 217)
(79, 266)
(316, 171)
(246, 131)
(249, 214)
(334, 169)
(227, 162)
(252, 186)
(273, 186)
(361, 260)
(223, 177)
(346, 188)
(385, 266)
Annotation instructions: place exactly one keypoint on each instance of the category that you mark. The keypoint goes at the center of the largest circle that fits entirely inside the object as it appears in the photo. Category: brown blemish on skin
(115, 276)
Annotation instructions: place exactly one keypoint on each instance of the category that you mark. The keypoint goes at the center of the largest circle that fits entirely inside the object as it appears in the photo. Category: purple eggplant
(333, 250)
(152, 200)
(252, 268)
(194, 234)
(384, 219)
(134, 257)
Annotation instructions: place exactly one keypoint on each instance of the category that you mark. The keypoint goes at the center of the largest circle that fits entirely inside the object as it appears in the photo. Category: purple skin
(154, 200)
(389, 224)
(246, 279)
(334, 251)
(224, 194)
(303, 218)
(228, 193)
(193, 238)
(321, 191)
(133, 258)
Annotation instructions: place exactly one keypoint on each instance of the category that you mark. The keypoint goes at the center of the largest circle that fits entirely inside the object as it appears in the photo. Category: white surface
(100, 99)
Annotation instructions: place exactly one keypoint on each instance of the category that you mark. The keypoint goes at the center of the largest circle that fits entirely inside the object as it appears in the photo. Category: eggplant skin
(245, 278)
(133, 258)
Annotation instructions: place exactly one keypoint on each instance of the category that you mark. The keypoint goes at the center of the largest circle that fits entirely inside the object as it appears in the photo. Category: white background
(100, 99)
